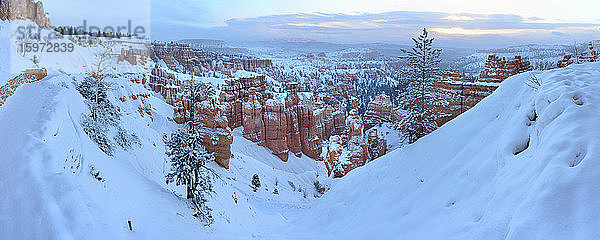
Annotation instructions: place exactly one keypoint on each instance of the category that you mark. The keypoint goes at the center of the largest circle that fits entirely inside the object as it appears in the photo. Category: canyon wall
(24, 10)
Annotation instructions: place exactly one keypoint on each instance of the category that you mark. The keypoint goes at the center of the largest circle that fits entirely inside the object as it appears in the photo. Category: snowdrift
(522, 164)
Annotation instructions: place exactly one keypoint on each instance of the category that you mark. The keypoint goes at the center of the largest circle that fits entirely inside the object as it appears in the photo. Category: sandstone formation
(344, 154)
(354, 124)
(165, 83)
(497, 69)
(463, 91)
(311, 143)
(133, 56)
(350, 150)
(182, 57)
(591, 54)
(283, 122)
(377, 145)
(24, 10)
(293, 126)
(27, 76)
(293, 132)
(275, 128)
(217, 137)
(232, 102)
(378, 111)
(252, 119)
(211, 123)
(281, 126)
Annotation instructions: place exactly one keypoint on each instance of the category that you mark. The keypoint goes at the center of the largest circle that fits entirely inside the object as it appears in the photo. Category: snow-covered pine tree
(103, 114)
(255, 182)
(188, 167)
(420, 100)
(103, 118)
(126, 140)
(95, 93)
(187, 155)
(191, 97)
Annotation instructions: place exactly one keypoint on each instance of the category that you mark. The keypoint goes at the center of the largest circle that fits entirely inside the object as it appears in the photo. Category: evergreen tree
(421, 101)
(189, 167)
(104, 118)
(103, 114)
(188, 156)
(191, 97)
(126, 140)
(255, 182)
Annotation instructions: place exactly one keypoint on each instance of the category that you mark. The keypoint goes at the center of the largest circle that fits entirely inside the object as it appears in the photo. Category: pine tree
(103, 114)
(126, 140)
(255, 182)
(421, 100)
(104, 118)
(189, 167)
(190, 99)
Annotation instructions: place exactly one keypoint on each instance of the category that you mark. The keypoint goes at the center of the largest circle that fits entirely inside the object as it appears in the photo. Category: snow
(392, 136)
(81, 60)
(244, 74)
(38, 147)
(464, 181)
(519, 165)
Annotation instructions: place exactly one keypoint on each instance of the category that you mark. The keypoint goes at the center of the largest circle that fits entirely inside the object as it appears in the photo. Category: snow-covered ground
(519, 165)
(49, 191)
(464, 181)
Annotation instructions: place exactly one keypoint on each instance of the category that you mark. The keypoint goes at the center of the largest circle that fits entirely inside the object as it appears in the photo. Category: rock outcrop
(202, 63)
(27, 76)
(24, 10)
(216, 136)
(293, 131)
(348, 151)
(253, 120)
(497, 69)
(283, 122)
(311, 143)
(133, 56)
(165, 83)
(275, 121)
(293, 126)
(233, 103)
(377, 145)
(344, 154)
(210, 121)
(354, 124)
(378, 111)
(280, 125)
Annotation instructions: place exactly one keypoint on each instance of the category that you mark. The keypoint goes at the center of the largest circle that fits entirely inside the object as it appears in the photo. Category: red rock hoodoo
(378, 111)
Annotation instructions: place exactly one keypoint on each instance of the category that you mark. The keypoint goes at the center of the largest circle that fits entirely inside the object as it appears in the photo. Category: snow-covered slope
(464, 181)
(49, 191)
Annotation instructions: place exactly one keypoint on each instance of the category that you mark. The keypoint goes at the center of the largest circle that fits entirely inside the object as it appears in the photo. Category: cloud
(459, 30)
(214, 19)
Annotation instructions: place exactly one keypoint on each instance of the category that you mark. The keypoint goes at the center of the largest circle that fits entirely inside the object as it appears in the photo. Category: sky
(457, 23)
